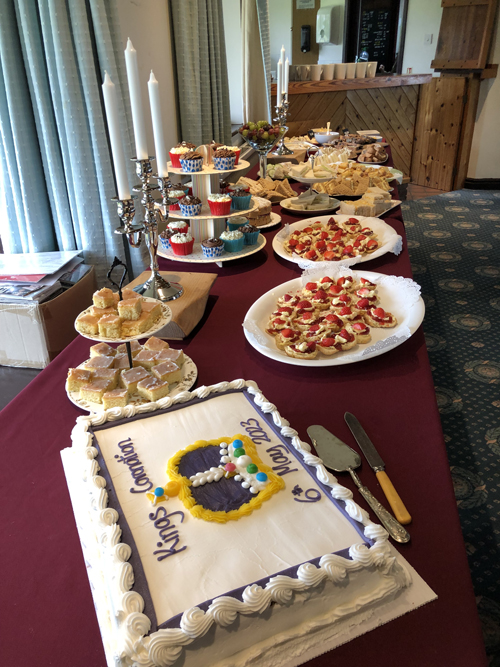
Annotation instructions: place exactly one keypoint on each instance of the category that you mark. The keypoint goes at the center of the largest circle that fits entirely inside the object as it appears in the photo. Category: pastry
(220, 204)
(224, 159)
(233, 241)
(212, 248)
(182, 244)
(190, 206)
(191, 162)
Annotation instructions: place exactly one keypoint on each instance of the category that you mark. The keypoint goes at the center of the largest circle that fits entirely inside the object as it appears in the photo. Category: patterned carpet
(454, 242)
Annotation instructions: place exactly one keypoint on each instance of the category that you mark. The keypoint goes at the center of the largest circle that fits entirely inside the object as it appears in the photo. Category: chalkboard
(376, 36)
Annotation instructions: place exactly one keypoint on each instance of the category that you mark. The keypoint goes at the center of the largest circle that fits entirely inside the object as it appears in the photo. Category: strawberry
(292, 242)
(286, 310)
(311, 287)
(336, 289)
(345, 298)
(326, 279)
(288, 333)
(307, 230)
(278, 321)
(323, 235)
(372, 243)
(320, 245)
(329, 256)
(343, 333)
(359, 326)
(300, 247)
(304, 304)
(314, 328)
(287, 298)
(378, 312)
(363, 303)
(353, 221)
(327, 342)
(307, 242)
(310, 254)
(347, 250)
(311, 345)
(345, 311)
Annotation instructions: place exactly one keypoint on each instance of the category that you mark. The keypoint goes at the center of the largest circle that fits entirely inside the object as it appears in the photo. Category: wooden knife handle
(397, 505)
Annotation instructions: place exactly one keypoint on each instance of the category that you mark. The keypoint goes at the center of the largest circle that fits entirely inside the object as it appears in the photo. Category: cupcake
(238, 186)
(223, 159)
(241, 200)
(219, 204)
(235, 150)
(233, 241)
(223, 186)
(165, 239)
(178, 226)
(190, 206)
(191, 162)
(175, 194)
(182, 244)
(177, 151)
(237, 222)
(212, 248)
(250, 233)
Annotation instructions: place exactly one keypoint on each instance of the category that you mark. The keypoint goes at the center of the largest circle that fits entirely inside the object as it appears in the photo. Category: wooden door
(437, 132)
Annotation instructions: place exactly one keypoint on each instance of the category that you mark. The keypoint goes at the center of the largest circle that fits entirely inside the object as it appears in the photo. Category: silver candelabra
(155, 287)
(281, 118)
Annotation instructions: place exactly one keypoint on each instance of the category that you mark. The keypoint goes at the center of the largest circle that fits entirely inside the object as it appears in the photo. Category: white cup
(293, 73)
(371, 69)
(350, 71)
(316, 71)
(361, 70)
(340, 70)
(304, 72)
(328, 71)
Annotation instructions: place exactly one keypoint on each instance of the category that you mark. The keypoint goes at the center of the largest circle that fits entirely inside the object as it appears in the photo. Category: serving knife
(339, 457)
(378, 465)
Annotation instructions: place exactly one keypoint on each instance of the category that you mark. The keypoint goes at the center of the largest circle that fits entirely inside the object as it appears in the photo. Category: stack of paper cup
(361, 70)
(340, 70)
(350, 71)
(371, 69)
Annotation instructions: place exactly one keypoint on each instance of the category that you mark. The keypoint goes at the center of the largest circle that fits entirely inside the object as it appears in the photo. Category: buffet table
(47, 604)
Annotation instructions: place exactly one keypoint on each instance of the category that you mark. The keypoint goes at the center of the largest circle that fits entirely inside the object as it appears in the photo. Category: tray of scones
(110, 319)
(106, 380)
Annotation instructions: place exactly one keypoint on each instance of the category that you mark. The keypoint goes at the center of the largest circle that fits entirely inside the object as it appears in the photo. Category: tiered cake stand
(206, 225)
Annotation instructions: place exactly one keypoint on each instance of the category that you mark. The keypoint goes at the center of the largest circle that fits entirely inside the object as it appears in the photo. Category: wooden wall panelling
(437, 133)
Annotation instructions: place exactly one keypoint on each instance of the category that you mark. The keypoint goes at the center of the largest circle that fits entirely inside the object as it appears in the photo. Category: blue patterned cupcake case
(189, 210)
(192, 165)
(165, 243)
(241, 203)
(212, 253)
(224, 163)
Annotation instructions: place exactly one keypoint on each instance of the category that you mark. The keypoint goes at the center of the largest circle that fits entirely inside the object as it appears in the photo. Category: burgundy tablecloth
(47, 611)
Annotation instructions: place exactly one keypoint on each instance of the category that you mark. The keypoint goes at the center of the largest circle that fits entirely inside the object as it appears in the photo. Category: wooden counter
(384, 103)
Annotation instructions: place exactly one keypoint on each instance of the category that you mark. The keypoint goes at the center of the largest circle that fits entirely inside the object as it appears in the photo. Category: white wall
(484, 162)
(232, 34)
(147, 24)
(280, 30)
(424, 18)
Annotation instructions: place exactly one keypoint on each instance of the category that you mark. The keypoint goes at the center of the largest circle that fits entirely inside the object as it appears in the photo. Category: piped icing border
(163, 647)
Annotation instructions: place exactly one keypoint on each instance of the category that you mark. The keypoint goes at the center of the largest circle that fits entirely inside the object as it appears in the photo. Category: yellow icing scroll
(275, 482)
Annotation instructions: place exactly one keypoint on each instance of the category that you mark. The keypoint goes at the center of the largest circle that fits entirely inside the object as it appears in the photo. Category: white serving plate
(208, 170)
(310, 181)
(386, 236)
(165, 318)
(334, 205)
(189, 375)
(197, 257)
(409, 317)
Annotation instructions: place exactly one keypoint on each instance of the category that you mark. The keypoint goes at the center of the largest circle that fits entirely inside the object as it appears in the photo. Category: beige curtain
(254, 79)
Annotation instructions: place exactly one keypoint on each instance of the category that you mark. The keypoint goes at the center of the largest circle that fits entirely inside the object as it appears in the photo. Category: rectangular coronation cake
(221, 540)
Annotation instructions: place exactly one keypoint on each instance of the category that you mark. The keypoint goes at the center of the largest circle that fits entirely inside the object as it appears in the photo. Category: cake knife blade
(339, 457)
(378, 465)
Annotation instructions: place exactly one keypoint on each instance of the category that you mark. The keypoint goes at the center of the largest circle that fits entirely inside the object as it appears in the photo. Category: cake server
(339, 457)
(377, 464)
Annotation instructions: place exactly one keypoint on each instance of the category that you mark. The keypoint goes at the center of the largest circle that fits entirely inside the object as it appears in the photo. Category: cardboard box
(32, 334)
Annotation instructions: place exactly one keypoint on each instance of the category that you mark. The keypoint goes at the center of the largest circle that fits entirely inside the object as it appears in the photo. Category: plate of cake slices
(334, 318)
(110, 320)
(335, 238)
(105, 380)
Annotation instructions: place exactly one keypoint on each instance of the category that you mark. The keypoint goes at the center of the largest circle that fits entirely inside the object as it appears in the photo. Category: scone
(302, 350)
(377, 317)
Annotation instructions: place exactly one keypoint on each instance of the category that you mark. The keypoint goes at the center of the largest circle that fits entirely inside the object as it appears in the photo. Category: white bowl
(325, 137)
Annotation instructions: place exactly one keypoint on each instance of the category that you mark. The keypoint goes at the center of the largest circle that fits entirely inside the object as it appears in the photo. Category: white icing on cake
(298, 605)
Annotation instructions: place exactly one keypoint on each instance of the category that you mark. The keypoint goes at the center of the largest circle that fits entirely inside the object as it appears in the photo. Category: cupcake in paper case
(182, 244)
(178, 226)
(223, 159)
(191, 162)
(241, 200)
(233, 241)
(190, 206)
(212, 248)
(250, 233)
(236, 150)
(220, 204)
(178, 151)
(236, 222)
(175, 194)
(223, 187)
(164, 239)
(233, 187)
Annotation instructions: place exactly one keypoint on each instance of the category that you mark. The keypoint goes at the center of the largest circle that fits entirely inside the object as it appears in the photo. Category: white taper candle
(141, 144)
(154, 102)
(285, 84)
(111, 106)
(279, 84)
